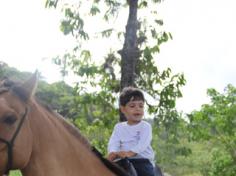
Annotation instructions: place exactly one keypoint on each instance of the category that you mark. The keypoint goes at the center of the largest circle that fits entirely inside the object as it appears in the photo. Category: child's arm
(113, 145)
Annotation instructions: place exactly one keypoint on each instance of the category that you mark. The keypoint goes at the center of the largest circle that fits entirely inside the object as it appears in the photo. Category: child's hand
(123, 154)
(112, 156)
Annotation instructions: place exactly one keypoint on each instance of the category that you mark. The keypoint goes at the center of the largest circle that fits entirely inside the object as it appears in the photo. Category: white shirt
(136, 138)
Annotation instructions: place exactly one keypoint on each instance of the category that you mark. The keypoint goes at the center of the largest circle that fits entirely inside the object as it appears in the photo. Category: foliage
(101, 76)
(216, 122)
(97, 133)
(58, 96)
(12, 73)
(174, 152)
(15, 173)
(222, 164)
(100, 117)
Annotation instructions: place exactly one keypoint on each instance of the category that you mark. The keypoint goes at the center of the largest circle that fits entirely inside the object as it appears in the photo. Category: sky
(203, 45)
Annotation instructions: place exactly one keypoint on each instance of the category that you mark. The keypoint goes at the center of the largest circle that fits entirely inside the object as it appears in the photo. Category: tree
(130, 52)
(136, 67)
(216, 122)
(12, 73)
(58, 96)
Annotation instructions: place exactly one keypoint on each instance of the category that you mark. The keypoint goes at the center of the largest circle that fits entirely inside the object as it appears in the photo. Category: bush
(222, 164)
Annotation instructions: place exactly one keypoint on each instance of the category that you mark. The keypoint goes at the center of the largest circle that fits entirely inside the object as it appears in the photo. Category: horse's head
(15, 132)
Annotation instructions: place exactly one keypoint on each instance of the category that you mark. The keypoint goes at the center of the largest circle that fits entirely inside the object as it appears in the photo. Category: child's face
(133, 111)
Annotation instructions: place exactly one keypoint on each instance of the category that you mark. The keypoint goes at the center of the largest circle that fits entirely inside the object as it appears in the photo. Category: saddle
(127, 166)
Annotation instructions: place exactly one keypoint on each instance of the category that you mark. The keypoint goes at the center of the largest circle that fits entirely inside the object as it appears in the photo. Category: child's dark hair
(130, 94)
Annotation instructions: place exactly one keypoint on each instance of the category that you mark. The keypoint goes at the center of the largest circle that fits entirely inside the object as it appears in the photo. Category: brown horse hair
(76, 133)
(8, 85)
(72, 129)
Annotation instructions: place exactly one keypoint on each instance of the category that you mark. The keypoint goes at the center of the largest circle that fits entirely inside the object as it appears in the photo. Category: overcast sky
(203, 45)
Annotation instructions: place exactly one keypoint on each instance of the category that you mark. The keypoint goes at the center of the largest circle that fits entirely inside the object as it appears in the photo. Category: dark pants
(137, 166)
(143, 167)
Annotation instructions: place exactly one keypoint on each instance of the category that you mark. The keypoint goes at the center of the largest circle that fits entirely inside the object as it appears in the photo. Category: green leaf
(159, 22)
(143, 4)
(107, 33)
(51, 3)
(94, 10)
(66, 27)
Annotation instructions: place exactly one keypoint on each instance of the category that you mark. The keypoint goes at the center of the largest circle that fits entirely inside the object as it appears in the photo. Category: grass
(15, 173)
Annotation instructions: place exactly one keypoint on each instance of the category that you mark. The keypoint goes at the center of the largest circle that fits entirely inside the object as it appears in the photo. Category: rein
(10, 143)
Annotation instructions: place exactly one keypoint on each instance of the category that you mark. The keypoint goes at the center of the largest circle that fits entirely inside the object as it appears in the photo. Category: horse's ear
(30, 85)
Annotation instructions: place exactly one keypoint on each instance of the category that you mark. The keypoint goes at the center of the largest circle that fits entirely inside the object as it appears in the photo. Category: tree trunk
(130, 51)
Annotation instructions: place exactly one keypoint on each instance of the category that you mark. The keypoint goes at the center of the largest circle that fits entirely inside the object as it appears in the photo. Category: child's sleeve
(114, 141)
(145, 139)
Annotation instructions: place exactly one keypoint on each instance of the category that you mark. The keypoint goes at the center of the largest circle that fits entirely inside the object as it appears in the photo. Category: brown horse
(40, 142)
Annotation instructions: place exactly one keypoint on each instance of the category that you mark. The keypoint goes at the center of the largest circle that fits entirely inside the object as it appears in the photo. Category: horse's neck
(57, 152)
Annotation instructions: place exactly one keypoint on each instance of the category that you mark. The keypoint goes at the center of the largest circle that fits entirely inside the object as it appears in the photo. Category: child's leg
(143, 168)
